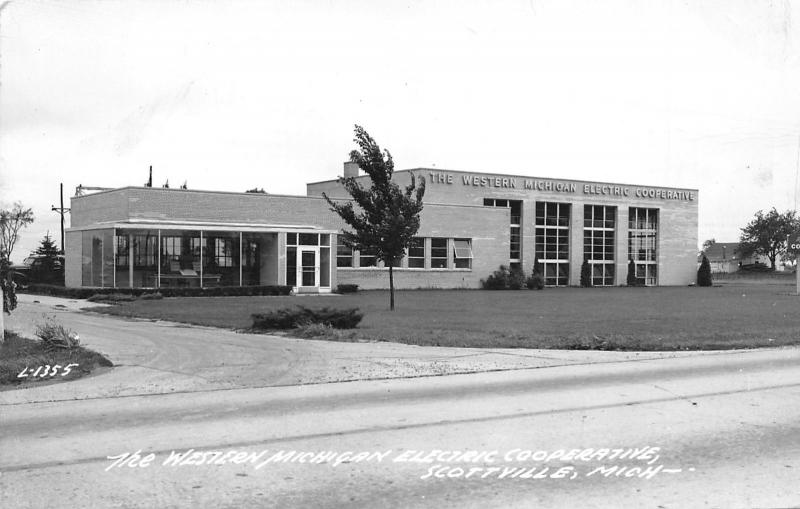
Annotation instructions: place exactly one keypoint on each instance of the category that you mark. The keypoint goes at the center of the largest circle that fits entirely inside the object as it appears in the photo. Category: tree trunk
(2, 317)
(391, 286)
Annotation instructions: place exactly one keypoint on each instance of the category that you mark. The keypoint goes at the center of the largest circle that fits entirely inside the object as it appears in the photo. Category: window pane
(325, 266)
(462, 253)
(344, 254)
(367, 259)
(438, 253)
(309, 239)
(291, 266)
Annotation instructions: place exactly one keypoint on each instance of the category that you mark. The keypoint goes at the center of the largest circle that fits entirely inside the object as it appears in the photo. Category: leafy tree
(387, 217)
(586, 274)
(766, 234)
(704, 273)
(11, 222)
(50, 269)
(708, 243)
(9, 295)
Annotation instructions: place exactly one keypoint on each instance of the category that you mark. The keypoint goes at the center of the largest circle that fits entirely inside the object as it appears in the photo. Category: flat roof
(239, 193)
(166, 224)
(178, 190)
(559, 179)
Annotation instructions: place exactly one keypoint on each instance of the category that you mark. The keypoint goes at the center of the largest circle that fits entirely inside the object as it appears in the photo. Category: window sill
(403, 269)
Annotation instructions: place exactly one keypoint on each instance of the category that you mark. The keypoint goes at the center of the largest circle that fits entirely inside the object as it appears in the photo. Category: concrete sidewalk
(156, 357)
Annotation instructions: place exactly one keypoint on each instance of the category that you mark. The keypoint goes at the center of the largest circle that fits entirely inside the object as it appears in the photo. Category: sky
(231, 95)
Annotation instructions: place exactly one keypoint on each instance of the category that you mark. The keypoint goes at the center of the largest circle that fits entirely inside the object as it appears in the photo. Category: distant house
(725, 257)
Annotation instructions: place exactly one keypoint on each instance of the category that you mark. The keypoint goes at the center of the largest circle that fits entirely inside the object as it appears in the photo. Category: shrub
(534, 282)
(151, 296)
(314, 330)
(704, 273)
(346, 288)
(285, 318)
(511, 279)
(586, 274)
(516, 279)
(214, 291)
(290, 318)
(55, 335)
(320, 330)
(498, 280)
(111, 298)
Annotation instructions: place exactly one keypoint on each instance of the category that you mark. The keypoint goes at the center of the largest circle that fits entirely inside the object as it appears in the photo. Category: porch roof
(165, 224)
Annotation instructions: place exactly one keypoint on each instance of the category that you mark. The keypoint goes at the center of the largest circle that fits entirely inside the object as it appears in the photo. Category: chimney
(350, 169)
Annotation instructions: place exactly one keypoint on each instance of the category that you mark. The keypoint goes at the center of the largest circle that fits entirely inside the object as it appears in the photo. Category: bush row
(346, 288)
(512, 279)
(290, 318)
(216, 291)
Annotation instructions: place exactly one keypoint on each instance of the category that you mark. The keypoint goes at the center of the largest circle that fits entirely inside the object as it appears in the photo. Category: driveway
(157, 357)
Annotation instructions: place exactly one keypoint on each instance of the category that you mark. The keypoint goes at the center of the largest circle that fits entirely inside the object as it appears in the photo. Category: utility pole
(61, 210)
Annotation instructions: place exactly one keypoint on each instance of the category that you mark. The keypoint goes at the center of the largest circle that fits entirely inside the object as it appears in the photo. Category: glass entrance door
(309, 268)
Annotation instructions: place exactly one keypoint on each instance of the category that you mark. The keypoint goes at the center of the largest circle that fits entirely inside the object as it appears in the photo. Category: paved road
(726, 429)
(166, 357)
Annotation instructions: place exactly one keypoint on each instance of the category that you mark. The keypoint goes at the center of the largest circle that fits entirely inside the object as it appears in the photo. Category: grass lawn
(20, 355)
(666, 318)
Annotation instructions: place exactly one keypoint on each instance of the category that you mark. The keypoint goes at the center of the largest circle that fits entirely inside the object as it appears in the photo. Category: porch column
(240, 258)
(201, 258)
(130, 260)
(113, 257)
(158, 262)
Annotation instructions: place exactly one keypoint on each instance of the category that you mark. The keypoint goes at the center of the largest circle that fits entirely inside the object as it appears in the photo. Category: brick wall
(678, 218)
(454, 209)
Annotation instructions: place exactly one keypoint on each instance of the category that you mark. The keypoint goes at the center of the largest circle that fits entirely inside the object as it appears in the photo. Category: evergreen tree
(704, 273)
(631, 280)
(387, 217)
(586, 274)
(49, 268)
(536, 281)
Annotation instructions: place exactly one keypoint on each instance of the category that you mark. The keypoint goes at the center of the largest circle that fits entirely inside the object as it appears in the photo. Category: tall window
(344, 253)
(223, 252)
(598, 242)
(144, 250)
(366, 258)
(515, 251)
(122, 250)
(195, 247)
(438, 253)
(416, 253)
(552, 242)
(291, 264)
(462, 253)
(643, 243)
(250, 254)
(170, 249)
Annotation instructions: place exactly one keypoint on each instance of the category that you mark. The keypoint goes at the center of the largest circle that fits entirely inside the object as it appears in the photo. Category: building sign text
(556, 186)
